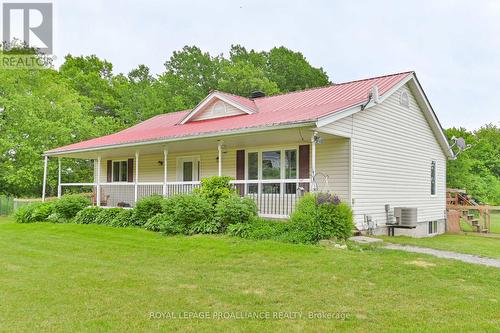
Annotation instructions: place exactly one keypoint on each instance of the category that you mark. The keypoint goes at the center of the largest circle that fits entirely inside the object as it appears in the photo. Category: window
(253, 171)
(291, 170)
(271, 169)
(270, 165)
(120, 171)
(433, 177)
(433, 227)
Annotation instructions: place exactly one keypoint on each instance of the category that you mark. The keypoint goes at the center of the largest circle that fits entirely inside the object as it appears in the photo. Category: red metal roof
(289, 108)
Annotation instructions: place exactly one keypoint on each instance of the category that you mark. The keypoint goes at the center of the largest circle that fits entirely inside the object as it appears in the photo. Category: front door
(188, 169)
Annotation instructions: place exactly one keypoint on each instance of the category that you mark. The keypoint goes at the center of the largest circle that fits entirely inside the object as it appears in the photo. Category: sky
(454, 46)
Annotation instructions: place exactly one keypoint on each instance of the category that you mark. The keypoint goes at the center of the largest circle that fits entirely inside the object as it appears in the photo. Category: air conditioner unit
(406, 216)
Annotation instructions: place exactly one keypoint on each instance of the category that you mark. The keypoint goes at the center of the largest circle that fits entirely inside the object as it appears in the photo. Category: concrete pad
(365, 240)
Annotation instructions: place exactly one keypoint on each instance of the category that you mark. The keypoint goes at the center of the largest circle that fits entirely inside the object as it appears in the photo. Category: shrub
(87, 215)
(187, 210)
(57, 218)
(164, 223)
(266, 229)
(207, 226)
(305, 227)
(318, 217)
(106, 215)
(233, 210)
(215, 189)
(34, 212)
(146, 208)
(42, 211)
(125, 218)
(239, 230)
(69, 205)
(25, 213)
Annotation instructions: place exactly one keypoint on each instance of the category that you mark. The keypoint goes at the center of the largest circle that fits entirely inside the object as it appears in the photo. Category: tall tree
(477, 169)
(93, 78)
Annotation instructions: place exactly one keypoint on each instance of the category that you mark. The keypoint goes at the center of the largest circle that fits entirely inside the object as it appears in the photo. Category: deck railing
(274, 198)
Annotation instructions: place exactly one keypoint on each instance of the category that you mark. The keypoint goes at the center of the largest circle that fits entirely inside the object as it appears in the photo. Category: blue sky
(454, 46)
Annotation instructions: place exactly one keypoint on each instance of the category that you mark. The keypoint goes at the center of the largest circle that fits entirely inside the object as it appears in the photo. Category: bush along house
(375, 143)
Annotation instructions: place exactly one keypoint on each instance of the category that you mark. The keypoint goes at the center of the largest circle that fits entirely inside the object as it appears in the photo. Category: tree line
(41, 109)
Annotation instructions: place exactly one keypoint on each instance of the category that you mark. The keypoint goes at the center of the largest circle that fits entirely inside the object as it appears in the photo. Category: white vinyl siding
(392, 150)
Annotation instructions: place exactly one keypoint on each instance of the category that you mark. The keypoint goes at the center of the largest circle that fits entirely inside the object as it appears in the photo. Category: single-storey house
(376, 143)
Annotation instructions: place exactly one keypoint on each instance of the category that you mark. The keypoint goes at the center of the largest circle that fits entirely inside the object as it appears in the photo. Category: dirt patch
(420, 263)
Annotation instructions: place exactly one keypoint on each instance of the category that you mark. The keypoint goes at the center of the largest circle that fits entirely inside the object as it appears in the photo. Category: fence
(6, 205)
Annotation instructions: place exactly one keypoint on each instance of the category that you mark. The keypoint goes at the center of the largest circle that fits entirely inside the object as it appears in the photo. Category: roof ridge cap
(336, 84)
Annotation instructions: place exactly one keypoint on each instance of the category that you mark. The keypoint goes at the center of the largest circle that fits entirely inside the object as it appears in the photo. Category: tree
(241, 78)
(477, 169)
(93, 78)
(291, 71)
(40, 112)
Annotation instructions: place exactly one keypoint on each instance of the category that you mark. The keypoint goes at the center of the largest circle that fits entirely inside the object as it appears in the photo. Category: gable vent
(404, 99)
(257, 94)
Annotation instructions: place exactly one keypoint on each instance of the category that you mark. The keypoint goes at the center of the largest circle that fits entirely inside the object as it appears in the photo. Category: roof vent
(257, 94)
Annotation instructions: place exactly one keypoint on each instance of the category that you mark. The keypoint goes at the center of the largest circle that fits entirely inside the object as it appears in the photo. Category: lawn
(495, 222)
(470, 243)
(67, 277)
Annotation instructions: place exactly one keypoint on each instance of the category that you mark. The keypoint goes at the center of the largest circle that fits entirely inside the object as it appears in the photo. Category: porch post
(313, 162)
(44, 184)
(165, 171)
(219, 149)
(136, 178)
(59, 189)
(98, 182)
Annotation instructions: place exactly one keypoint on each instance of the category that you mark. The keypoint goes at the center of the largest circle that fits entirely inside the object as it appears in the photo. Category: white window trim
(435, 178)
(196, 171)
(282, 166)
(113, 171)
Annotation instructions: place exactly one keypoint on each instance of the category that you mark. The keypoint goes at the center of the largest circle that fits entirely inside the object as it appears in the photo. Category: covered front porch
(274, 168)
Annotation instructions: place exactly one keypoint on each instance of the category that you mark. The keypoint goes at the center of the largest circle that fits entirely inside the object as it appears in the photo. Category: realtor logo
(30, 23)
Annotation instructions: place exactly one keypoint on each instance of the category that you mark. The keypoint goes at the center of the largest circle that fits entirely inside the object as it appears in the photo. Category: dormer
(218, 105)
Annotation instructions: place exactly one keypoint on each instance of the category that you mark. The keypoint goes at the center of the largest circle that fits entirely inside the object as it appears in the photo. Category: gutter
(183, 138)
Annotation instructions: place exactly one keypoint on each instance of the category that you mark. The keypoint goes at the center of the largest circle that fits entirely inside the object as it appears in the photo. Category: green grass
(470, 243)
(495, 222)
(66, 277)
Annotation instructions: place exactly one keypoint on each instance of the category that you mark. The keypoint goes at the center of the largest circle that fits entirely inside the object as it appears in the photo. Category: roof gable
(217, 105)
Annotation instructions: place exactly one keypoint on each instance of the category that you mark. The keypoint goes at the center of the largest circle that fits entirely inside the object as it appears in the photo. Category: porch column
(165, 171)
(44, 184)
(59, 189)
(98, 182)
(219, 149)
(136, 178)
(313, 162)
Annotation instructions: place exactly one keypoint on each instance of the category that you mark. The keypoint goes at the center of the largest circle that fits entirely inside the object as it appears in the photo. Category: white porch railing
(274, 198)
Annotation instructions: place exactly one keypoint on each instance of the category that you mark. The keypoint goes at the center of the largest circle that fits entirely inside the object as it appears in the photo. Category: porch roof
(289, 109)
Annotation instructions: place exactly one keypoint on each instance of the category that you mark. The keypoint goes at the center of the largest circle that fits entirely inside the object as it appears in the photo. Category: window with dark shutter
(109, 171)
(304, 154)
(240, 170)
(130, 170)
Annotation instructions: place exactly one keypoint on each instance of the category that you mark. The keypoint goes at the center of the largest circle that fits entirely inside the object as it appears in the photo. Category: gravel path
(469, 258)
